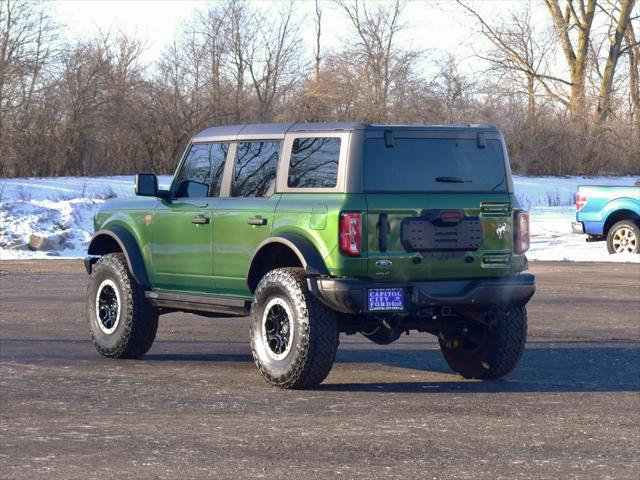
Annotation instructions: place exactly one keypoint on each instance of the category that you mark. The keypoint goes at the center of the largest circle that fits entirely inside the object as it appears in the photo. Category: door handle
(257, 221)
(200, 220)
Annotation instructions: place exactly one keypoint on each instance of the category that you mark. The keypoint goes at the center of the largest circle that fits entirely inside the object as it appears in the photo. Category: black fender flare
(129, 247)
(306, 252)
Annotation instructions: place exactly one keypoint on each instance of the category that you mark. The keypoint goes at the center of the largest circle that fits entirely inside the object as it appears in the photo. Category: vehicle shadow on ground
(561, 367)
(546, 366)
(198, 357)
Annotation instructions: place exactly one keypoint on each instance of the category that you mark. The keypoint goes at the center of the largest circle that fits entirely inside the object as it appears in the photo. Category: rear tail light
(351, 233)
(521, 235)
(581, 201)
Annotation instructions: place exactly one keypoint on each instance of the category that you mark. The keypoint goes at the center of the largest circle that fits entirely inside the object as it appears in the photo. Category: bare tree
(580, 19)
(376, 31)
(92, 107)
(27, 45)
(619, 27)
(453, 89)
(633, 50)
(241, 29)
(522, 53)
(211, 24)
(273, 62)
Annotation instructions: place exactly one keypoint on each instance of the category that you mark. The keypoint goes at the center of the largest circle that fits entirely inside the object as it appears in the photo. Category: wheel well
(271, 256)
(617, 216)
(104, 244)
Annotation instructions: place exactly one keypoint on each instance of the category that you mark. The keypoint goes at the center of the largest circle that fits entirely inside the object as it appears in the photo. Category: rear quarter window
(314, 163)
(433, 165)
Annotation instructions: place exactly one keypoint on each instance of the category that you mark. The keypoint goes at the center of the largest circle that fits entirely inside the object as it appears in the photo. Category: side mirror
(146, 185)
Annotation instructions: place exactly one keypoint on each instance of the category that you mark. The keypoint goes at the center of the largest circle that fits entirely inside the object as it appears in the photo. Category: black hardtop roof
(278, 130)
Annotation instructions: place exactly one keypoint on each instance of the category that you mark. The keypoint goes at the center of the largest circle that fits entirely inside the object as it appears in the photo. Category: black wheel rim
(107, 306)
(277, 328)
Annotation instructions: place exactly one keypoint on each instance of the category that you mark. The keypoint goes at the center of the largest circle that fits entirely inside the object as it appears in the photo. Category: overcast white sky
(436, 25)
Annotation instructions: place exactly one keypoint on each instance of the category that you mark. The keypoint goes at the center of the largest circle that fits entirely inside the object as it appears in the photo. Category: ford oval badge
(384, 263)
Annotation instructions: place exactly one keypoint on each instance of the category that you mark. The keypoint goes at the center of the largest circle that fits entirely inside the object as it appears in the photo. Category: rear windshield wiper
(500, 183)
(452, 180)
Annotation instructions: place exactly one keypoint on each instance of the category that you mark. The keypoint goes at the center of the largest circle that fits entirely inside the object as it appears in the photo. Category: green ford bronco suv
(316, 229)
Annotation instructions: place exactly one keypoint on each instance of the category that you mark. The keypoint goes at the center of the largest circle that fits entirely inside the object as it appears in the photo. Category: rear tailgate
(438, 205)
(438, 236)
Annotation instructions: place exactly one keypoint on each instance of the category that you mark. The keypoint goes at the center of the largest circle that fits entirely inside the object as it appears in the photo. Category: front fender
(102, 243)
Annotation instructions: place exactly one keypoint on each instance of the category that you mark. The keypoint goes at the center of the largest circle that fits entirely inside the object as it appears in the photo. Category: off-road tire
(633, 236)
(136, 327)
(314, 336)
(497, 353)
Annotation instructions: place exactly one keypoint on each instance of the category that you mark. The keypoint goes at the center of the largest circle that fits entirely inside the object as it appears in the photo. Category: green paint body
(214, 257)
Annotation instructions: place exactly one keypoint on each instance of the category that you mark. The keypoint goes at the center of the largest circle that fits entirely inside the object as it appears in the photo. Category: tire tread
(320, 336)
(502, 354)
(140, 330)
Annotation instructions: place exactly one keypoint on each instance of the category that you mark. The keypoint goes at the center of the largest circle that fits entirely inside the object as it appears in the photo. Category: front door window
(201, 172)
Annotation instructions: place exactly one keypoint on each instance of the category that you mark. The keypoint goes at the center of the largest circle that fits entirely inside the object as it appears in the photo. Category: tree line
(565, 92)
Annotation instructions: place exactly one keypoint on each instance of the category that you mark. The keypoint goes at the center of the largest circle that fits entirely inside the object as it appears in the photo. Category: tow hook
(450, 342)
(455, 343)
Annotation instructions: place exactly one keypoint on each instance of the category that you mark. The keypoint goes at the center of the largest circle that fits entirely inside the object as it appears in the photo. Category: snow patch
(59, 212)
(43, 228)
(552, 239)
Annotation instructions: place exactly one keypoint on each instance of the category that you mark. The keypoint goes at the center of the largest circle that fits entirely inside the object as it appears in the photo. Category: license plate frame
(386, 299)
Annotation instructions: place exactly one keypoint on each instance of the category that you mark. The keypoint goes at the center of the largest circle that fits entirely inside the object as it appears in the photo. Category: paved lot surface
(197, 408)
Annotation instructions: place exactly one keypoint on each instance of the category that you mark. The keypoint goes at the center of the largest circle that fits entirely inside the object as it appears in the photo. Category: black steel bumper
(350, 295)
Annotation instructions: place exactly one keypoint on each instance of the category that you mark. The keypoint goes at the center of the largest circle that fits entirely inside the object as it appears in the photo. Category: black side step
(200, 304)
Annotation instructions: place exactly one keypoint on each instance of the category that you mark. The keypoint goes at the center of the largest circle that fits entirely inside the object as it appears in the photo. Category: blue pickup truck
(611, 214)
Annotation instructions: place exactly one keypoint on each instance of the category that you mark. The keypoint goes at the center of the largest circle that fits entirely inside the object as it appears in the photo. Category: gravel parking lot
(196, 407)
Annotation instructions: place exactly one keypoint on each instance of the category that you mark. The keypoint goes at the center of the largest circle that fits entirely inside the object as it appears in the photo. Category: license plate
(386, 299)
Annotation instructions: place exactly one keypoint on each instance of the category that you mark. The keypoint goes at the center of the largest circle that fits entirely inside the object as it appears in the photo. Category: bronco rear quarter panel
(315, 216)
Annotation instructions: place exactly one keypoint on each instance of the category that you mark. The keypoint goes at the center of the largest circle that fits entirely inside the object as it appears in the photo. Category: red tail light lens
(350, 233)
(451, 215)
(521, 234)
(581, 201)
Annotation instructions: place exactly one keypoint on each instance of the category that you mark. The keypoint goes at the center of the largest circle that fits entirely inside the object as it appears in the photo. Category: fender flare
(615, 207)
(306, 252)
(622, 203)
(129, 247)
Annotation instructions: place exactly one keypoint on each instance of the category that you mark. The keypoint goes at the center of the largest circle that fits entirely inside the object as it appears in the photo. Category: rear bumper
(349, 295)
(593, 234)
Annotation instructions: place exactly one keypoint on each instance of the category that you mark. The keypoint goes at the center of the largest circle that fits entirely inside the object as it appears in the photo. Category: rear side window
(201, 172)
(314, 163)
(254, 171)
(434, 164)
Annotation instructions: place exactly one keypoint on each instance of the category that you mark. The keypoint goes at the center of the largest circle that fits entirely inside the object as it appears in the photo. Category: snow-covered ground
(58, 210)
(58, 213)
